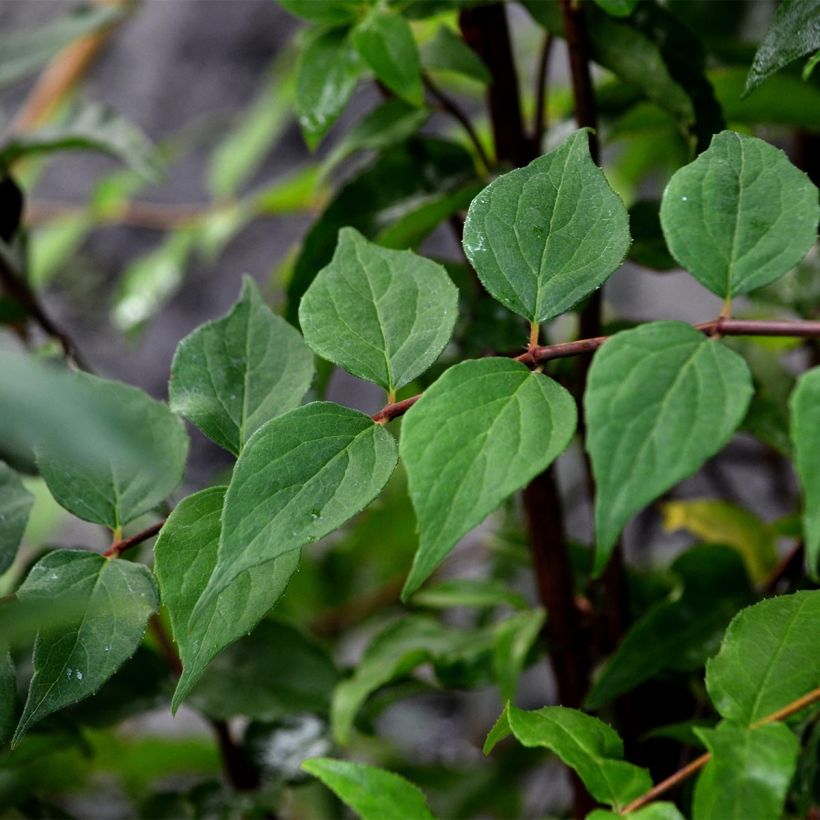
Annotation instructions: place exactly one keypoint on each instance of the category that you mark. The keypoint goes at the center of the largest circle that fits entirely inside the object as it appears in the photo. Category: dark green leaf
(385, 42)
(682, 631)
(661, 399)
(767, 659)
(23, 52)
(467, 447)
(543, 237)
(185, 557)
(382, 315)
(805, 428)
(372, 793)
(90, 127)
(648, 244)
(407, 178)
(740, 215)
(513, 640)
(328, 71)
(8, 695)
(618, 8)
(15, 506)
(110, 490)
(231, 376)
(299, 477)
(448, 52)
(72, 660)
(749, 772)
(795, 32)
(584, 743)
(331, 12)
(273, 672)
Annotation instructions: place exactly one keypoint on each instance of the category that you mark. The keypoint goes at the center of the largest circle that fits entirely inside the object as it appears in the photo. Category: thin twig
(451, 107)
(119, 547)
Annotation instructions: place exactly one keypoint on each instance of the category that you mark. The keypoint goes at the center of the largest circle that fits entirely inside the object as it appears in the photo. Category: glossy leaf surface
(740, 215)
(231, 376)
(109, 604)
(382, 315)
(660, 400)
(480, 433)
(543, 237)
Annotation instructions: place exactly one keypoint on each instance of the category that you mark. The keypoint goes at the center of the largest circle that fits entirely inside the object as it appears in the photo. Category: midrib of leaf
(379, 322)
(733, 259)
(245, 377)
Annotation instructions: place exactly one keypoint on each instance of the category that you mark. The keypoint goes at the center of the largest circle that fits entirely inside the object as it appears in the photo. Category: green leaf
(8, 695)
(794, 32)
(327, 74)
(89, 127)
(274, 672)
(406, 179)
(299, 478)
(740, 215)
(587, 745)
(23, 52)
(231, 376)
(719, 522)
(185, 558)
(660, 400)
(805, 429)
(110, 490)
(448, 52)
(391, 122)
(477, 435)
(385, 42)
(658, 810)
(811, 64)
(331, 12)
(382, 315)
(513, 640)
(749, 773)
(541, 238)
(767, 659)
(15, 505)
(111, 600)
(372, 793)
(468, 592)
(618, 8)
(684, 629)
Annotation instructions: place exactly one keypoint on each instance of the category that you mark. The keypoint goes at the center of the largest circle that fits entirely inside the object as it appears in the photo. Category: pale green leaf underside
(231, 376)
(382, 315)
(661, 399)
(805, 432)
(480, 433)
(111, 490)
(374, 794)
(299, 477)
(749, 773)
(107, 604)
(541, 238)
(584, 743)
(15, 506)
(185, 557)
(768, 658)
(740, 215)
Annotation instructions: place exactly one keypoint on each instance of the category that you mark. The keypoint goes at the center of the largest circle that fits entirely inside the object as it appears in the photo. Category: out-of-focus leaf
(767, 659)
(328, 71)
(275, 671)
(240, 153)
(385, 42)
(719, 522)
(72, 661)
(401, 181)
(53, 244)
(467, 592)
(15, 505)
(391, 122)
(150, 281)
(681, 632)
(749, 772)
(113, 491)
(294, 192)
(658, 810)
(513, 640)
(794, 32)
(448, 52)
(330, 12)
(8, 694)
(89, 127)
(648, 244)
(805, 426)
(23, 52)
(372, 793)
(618, 8)
(808, 69)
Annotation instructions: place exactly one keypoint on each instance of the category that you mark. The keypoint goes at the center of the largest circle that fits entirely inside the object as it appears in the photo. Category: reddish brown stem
(119, 547)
